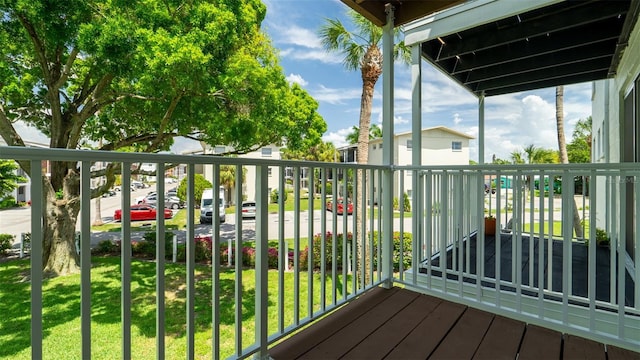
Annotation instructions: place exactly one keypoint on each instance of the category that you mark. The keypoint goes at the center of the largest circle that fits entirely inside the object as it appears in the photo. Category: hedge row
(203, 250)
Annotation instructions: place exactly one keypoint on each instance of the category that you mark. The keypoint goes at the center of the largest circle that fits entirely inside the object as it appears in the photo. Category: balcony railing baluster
(545, 277)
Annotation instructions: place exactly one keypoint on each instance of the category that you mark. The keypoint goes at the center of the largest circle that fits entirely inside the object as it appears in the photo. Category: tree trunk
(59, 255)
(97, 221)
(564, 158)
(371, 71)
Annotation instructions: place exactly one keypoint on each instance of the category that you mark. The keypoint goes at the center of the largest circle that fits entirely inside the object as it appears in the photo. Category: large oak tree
(136, 75)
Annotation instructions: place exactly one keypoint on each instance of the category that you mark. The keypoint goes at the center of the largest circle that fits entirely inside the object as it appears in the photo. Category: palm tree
(375, 132)
(564, 157)
(361, 51)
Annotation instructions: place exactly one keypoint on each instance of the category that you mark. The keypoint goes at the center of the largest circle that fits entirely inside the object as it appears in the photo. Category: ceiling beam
(529, 29)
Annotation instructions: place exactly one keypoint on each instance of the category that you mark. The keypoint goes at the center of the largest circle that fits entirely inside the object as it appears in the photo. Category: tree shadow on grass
(61, 301)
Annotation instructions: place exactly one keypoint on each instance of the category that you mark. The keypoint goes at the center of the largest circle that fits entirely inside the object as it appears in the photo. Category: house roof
(441, 128)
(504, 46)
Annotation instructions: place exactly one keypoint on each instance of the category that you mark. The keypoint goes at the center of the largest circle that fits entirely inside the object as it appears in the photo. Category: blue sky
(512, 121)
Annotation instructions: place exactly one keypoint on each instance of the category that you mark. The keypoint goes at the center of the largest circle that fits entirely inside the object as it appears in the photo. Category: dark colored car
(109, 193)
(340, 206)
(142, 212)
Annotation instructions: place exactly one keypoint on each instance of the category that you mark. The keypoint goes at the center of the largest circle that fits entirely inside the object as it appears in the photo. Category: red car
(340, 207)
(142, 212)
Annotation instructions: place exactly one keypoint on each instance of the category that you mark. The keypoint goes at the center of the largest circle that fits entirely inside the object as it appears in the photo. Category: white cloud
(295, 35)
(305, 54)
(297, 78)
(338, 138)
(457, 119)
(335, 96)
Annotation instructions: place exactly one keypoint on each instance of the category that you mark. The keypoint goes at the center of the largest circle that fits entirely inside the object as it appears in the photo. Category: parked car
(172, 192)
(248, 209)
(138, 184)
(170, 202)
(109, 193)
(142, 212)
(119, 188)
(340, 206)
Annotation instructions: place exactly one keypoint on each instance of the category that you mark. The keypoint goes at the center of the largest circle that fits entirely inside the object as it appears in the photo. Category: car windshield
(207, 202)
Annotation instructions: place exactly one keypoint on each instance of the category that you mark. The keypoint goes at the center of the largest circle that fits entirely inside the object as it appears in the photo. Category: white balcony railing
(298, 276)
(536, 268)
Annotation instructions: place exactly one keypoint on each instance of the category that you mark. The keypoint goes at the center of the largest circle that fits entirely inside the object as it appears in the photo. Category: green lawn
(61, 299)
(557, 228)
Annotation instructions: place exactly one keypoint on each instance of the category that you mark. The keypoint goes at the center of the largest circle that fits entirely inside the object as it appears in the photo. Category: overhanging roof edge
(467, 16)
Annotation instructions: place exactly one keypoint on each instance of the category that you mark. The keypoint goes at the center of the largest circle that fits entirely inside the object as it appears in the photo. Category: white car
(248, 209)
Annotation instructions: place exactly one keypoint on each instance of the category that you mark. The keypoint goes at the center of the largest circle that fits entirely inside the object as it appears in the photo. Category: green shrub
(406, 250)
(407, 202)
(7, 202)
(143, 249)
(602, 238)
(275, 193)
(150, 237)
(6, 241)
(107, 247)
(328, 254)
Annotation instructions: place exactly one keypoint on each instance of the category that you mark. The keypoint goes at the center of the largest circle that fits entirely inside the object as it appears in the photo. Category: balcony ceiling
(405, 11)
(563, 43)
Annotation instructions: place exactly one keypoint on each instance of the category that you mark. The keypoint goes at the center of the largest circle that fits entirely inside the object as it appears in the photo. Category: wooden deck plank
(402, 324)
(580, 348)
(616, 353)
(465, 336)
(423, 340)
(342, 341)
(319, 331)
(383, 340)
(502, 340)
(540, 343)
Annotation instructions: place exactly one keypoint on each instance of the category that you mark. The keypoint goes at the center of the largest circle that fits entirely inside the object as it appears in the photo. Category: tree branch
(67, 68)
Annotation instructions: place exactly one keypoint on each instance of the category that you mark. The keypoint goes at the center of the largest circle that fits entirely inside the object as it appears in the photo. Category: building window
(374, 146)
(409, 144)
(269, 171)
(219, 150)
(380, 146)
(409, 193)
(266, 152)
(456, 145)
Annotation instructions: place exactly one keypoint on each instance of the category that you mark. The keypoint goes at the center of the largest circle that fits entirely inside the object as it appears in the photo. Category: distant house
(248, 187)
(23, 192)
(440, 146)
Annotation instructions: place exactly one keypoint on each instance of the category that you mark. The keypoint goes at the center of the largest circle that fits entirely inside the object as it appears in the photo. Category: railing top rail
(520, 168)
(27, 153)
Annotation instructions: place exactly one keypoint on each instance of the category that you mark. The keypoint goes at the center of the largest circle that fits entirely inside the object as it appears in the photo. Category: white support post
(416, 152)
(191, 255)
(37, 212)
(387, 155)
(22, 235)
(83, 243)
(175, 248)
(481, 129)
(262, 267)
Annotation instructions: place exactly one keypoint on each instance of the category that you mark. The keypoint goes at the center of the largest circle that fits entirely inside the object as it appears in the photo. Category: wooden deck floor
(402, 324)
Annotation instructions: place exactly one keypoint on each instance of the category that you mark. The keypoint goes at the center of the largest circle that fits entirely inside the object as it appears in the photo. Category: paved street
(17, 220)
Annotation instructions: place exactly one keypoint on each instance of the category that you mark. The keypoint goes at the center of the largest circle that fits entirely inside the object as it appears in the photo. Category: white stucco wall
(607, 115)
(249, 188)
(436, 150)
